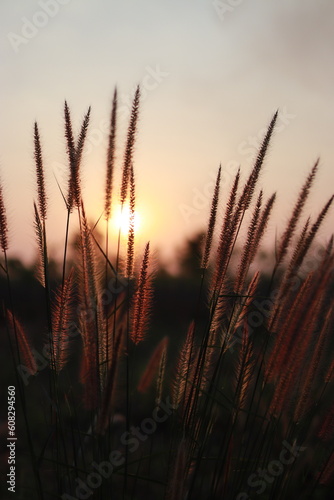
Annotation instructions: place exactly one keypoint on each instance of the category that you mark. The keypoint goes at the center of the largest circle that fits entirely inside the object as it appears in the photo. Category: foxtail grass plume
(142, 301)
(3, 223)
(129, 147)
(76, 185)
(75, 155)
(26, 355)
(42, 199)
(70, 144)
(212, 222)
(62, 316)
(161, 376)
(184, 363)
(249, 249)
(245, 370)
(111, 157)
(226, 236)
(153, 365)
(131, 231)
(297, 350)
(295, 265)
(40, 242)
(312, 369)
(90, 319)
(249, 188)
(241, 312)
(296, 213)
(290, 321)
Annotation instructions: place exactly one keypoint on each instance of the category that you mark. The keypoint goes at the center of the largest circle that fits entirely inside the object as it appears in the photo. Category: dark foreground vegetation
(131, 383)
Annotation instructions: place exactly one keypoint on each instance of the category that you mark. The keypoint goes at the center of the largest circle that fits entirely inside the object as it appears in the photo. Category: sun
(120, 221)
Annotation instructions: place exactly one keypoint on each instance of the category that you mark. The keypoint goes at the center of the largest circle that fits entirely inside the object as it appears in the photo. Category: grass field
(238, 405)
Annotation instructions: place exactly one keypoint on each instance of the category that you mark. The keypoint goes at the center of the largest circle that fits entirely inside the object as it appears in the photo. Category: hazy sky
(212, 74)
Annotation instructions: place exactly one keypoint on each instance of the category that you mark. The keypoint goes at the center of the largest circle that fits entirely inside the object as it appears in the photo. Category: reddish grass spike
(208, 360)
(301, 241)
(82, 137)
(129, 148)
(310, 237)
(181, 378)
(88, 261)
(152, 366)
(71, 155)
(304, 392)
(161, 376)
(250, 246)
(89, 375)
(228, 231)
(285, 285)
(249, 299)
(260, 229)
(297, 211)
(62, 317)
(25, 350)
(42, 199)
(75, 155)
(245, 367)
(212, 222)
(131, 233)
(249, 188)
(111, 157)
(301, 336)
(76, 187)
(92, 328)
(284, 338)
(265, 218)
(3, 223)
(142, 301)
(40, 241)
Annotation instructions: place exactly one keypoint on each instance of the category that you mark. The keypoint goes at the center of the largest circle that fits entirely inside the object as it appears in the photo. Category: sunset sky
(211, 73)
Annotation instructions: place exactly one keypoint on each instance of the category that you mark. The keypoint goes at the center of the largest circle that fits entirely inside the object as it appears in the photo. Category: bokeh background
(211, 72)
